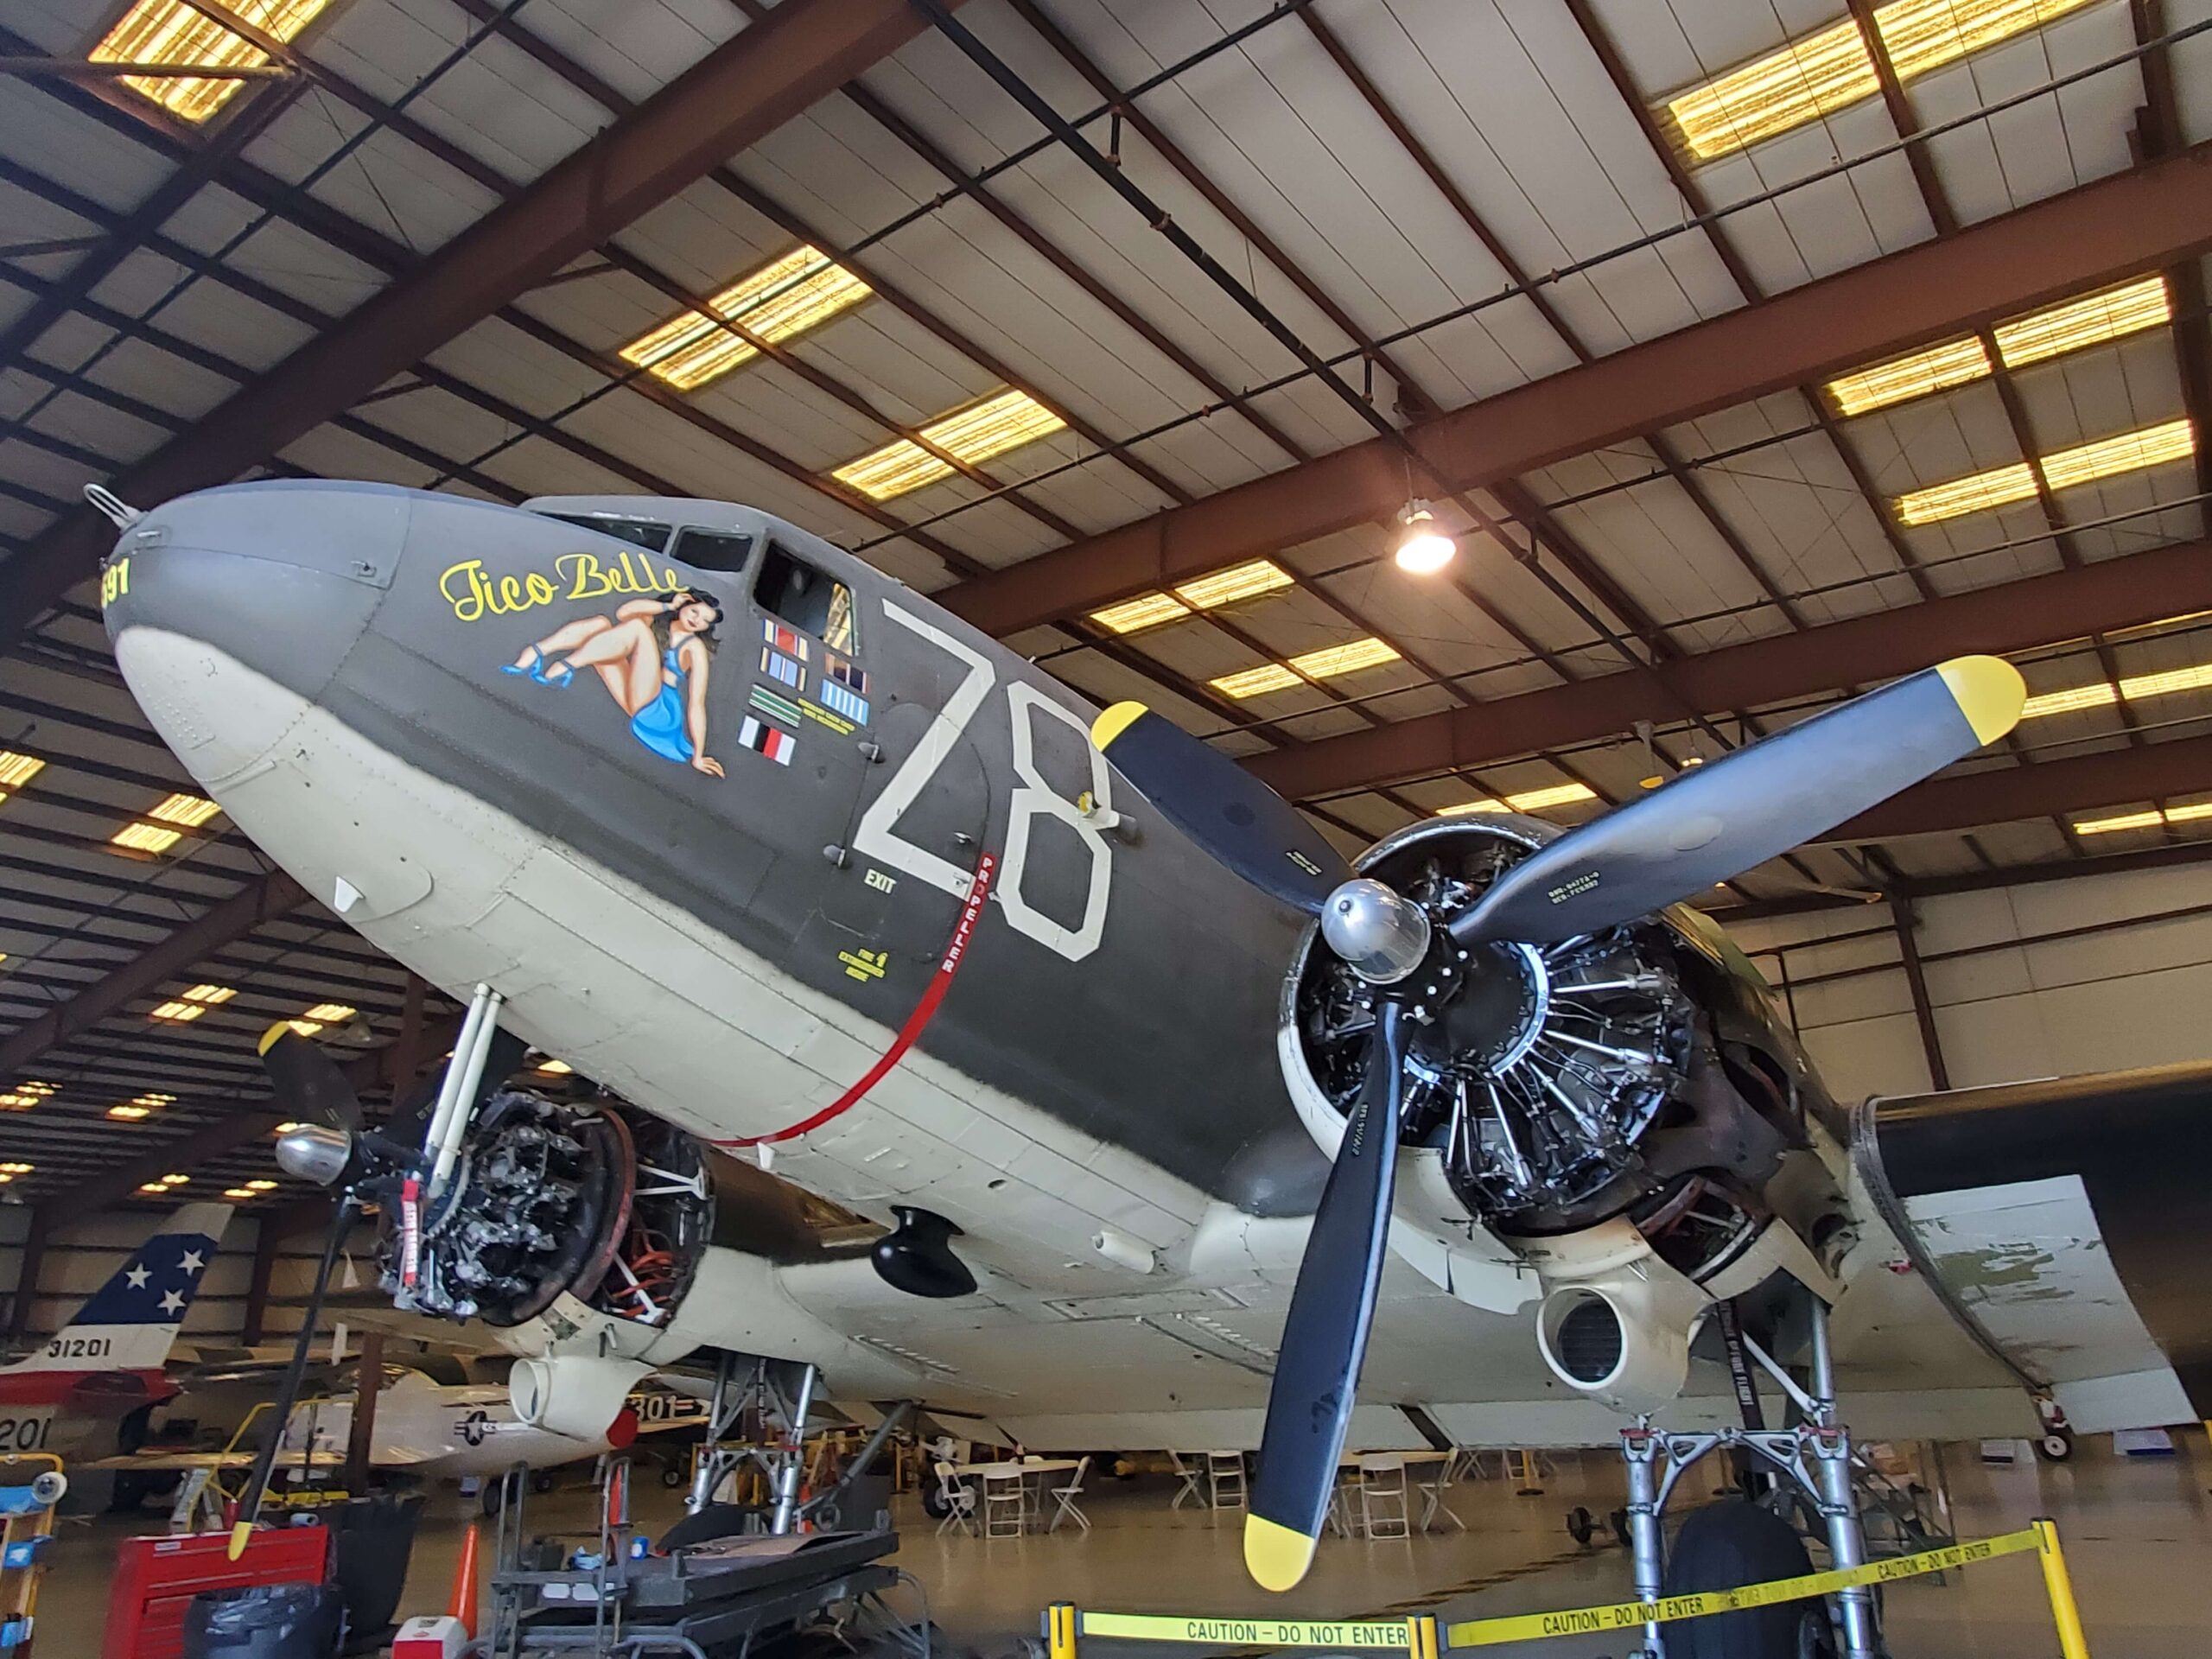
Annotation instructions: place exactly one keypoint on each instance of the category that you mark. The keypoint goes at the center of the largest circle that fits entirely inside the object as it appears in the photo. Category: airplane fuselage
(773, 847)
(736, 952)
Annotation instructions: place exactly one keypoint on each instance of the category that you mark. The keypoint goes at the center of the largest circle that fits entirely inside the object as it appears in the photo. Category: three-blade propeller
(1672, 844)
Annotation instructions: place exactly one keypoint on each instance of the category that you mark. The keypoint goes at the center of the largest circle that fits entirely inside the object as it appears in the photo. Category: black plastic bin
(370, 1540)
(265, 1621)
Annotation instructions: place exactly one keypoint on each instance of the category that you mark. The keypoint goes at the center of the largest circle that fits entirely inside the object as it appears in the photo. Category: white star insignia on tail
(137, 1278)
(193, 1262)
(172, 1302)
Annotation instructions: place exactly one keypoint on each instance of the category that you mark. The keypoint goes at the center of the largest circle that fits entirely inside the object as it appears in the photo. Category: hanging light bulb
(1423, 548)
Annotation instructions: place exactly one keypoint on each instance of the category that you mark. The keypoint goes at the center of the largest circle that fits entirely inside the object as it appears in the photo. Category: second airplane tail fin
(130, 1322)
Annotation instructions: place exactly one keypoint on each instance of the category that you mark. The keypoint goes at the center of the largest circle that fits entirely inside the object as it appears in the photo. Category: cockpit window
(639, 532)
(714, 550)
(792, 588)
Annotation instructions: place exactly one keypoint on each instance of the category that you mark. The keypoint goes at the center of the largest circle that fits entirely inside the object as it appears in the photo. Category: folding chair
(1339, 1518)
(1432, 1488)
(1066, 1495)
(1006, 1504)
(1383, 1497)
(959, 1499)
(1225, 1479)
(1187, 1475)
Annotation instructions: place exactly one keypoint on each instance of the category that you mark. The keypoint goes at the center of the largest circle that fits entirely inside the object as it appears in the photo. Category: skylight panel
(780, 301)
(2153, 819)
(1311, 666)
(1255, 682)
(1345, 659)
(2071, 700)
(1530, 800)
(1239, 581)
(1832, 69)
(2076, 325)
(2127, 452)
(2071, 326)
(170, 32)
(1954, 363)
(1145, 611)
(164, 823)
(1246, 581)
(1006, 420)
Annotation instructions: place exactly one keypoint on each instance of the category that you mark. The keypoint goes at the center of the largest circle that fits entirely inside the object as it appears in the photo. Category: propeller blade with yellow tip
(306, 1083)
(1733, 813)
(1331, 1310)
(1243, 822)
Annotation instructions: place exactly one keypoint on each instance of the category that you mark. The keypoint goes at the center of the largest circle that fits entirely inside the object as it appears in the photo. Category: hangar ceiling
(1748, 363)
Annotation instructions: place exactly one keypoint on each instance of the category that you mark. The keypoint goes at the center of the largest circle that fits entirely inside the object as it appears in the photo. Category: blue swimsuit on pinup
(660, 725)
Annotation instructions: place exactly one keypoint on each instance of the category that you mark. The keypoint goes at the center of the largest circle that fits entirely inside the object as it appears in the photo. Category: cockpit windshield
(639, 532)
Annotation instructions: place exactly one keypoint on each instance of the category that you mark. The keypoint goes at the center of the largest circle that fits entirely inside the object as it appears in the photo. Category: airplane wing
(184, 1462)
(696, 1419)
(367, 1311)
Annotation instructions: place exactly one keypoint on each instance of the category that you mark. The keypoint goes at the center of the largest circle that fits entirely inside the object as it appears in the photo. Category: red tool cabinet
(157, 1578)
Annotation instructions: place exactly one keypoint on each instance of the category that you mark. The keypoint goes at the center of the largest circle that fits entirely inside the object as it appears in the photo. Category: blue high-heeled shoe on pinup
(562, 673)
(529, 667)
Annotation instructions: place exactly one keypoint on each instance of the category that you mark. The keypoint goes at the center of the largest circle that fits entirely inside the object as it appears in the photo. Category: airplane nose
(216, 601)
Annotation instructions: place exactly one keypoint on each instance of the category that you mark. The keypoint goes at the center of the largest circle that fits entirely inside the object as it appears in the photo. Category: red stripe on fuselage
(84, 1390)
(955, 951)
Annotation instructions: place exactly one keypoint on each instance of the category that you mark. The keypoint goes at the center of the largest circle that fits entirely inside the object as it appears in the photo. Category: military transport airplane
(793, 862)
(109, 1360)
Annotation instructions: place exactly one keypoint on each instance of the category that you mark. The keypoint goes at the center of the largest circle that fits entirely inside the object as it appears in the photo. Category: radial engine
(1625, 1111)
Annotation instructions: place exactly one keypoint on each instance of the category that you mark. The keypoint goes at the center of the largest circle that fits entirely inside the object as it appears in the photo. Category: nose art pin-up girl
(654, 657)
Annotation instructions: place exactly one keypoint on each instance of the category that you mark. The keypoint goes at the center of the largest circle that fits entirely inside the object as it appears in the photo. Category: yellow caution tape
(1397, 1633)
(1625, 1615)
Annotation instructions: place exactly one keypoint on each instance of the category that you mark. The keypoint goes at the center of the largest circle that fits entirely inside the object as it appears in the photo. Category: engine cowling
(592, 1199)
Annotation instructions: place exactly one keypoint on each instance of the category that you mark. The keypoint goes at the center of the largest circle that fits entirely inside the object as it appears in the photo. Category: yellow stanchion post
(1420, 1636)
(2072, 1641)
(1059, 1629)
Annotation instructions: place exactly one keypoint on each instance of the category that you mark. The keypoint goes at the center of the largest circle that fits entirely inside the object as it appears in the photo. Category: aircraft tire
(2054, 1445)
(1728, 1544)
(933, 1503)
(492, 1498)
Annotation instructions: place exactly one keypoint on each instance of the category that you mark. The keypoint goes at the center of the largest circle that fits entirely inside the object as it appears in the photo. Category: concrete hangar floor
(2137, 1533)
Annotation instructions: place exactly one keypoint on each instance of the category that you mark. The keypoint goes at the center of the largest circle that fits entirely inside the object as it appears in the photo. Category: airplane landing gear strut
(742, 1381)
(1814, 1459)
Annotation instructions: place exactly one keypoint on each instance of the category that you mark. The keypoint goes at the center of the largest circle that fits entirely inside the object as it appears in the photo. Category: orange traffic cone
(462, 1605)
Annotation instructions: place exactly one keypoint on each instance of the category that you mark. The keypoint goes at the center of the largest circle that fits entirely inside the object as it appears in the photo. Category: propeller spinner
(1667, 846)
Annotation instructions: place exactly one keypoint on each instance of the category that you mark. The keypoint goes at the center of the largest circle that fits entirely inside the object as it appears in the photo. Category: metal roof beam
(2097, 233)
(209, 931)
(218, 1135)
(736, 95)
(2080, 783)
(2003, 875)
(2065, 604)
